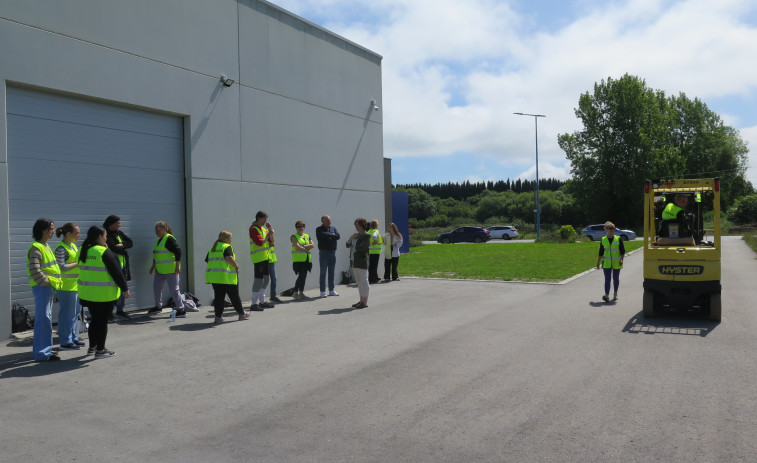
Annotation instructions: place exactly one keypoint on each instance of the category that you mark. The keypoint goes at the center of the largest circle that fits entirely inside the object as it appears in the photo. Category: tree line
(461, 191)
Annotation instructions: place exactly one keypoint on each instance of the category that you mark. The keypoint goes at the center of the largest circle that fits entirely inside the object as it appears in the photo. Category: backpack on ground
(20, 319)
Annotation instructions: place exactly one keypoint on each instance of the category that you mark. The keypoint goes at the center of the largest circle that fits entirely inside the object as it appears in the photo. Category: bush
(567, 234)
(744, 210)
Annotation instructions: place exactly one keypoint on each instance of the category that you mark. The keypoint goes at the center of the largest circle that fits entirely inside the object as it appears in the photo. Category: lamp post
(538, 209)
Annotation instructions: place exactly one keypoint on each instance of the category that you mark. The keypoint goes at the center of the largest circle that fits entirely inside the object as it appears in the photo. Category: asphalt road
(432, 371)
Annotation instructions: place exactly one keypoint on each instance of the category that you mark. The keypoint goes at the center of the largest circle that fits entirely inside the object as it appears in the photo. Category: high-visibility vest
(611, 258)
(121, 259)
(670, 211)
(375, 248)
(70, 276)
(219, 270)
(259, 253)
(95, 282)
(49, 265)
(165, 260)
(298, 255)
(272, 259)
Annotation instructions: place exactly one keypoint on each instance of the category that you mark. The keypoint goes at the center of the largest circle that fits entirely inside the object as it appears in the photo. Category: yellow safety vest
(165, 260)
(301, 256)
(95, 282)
(49, 265)
(219, 271)
(69, 277)
(670, 212)
(121, 259)
(611, 257)
(375, 248)
(272, 259)
(259, 253)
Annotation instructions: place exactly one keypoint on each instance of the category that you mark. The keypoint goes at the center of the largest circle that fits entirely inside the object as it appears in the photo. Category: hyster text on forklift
(681, 257)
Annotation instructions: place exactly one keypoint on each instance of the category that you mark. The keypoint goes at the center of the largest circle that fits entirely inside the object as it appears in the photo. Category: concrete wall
(294, 136)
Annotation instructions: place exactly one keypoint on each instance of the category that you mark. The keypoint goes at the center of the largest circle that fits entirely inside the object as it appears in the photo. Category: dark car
(464, 235)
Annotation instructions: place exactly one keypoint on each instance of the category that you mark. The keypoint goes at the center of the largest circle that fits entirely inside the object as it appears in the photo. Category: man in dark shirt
(119, 246)
(327, 237)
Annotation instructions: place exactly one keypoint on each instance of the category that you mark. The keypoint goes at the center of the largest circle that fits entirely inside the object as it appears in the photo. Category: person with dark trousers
(101, 284)
(375, 252)
(223, 273)
(302, 260)
(327, 237)
(118, 243)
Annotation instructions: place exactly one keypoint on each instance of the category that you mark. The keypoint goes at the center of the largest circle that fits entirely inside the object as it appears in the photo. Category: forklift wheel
(715, 307)
(648, 306)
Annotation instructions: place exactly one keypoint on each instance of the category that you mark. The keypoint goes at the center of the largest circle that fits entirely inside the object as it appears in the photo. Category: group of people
(96, 276)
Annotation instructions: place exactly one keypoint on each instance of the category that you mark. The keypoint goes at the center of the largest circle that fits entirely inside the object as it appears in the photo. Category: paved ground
(432, 371)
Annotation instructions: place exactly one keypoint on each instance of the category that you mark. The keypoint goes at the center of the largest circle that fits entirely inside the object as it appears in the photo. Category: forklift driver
(676, 211)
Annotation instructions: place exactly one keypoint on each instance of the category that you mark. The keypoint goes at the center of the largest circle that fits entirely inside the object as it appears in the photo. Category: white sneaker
(323, 293)
(333, 293)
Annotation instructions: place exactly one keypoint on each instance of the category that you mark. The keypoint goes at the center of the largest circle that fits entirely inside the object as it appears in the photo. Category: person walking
(101, 284)
(392, 243)
(118, 243)
(166, 263)
(68, 295)
(302, 261)
(375, 252)
(362, 244)
(261, 235)
(611, 253)
(327, 237)
(44, 278)
(223, 274)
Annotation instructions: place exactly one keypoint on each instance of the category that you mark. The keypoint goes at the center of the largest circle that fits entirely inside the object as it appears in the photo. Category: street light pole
(538, 209)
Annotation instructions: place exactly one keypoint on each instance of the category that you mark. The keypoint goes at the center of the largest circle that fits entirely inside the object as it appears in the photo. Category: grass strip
(545, 262)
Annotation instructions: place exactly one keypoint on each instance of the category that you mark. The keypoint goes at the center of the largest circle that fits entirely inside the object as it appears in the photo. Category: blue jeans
(327, 261)
(272, 275)
(43, 322)
(67, 317)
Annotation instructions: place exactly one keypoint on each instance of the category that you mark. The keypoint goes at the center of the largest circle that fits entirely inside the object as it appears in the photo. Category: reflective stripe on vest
(301, 256)
(219, 271)
(95, 282)
(375, 248)
(49, 265)
(165, 260)
(259, 253)
(69, 277)
(611, 257)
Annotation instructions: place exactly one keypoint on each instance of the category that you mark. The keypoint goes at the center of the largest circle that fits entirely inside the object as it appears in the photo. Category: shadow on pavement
(685, 324)
(22, 365)
(337, 311)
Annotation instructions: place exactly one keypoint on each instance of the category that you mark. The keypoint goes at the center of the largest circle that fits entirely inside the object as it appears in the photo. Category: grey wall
(294, 136)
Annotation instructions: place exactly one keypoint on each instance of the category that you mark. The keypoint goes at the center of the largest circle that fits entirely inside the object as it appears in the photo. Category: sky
(455, 71)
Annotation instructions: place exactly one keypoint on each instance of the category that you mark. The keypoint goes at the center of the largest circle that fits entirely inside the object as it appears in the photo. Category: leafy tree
(420, 204)
(744, 210)
(632, 132)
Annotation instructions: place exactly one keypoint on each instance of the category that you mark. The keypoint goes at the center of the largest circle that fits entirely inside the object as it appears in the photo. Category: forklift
(681, 257)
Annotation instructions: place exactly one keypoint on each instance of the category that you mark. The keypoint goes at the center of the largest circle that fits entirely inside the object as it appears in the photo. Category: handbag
(20, 318)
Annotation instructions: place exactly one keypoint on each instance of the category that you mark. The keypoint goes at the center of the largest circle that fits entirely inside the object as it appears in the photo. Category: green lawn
(548, 262)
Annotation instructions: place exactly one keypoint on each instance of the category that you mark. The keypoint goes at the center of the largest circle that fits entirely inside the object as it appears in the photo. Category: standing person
(101, 284)
(362, 245)
(44, 278)
(272, 259)
(375, 252)
(393, 243)
(327, 236)
(302, 261)
(166, 263)
(261, 235)
(68, 296)
(223, 273)
(118, 242)
(611, 253)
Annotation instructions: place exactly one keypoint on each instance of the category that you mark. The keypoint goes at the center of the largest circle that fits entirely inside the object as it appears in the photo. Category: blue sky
(454, 72)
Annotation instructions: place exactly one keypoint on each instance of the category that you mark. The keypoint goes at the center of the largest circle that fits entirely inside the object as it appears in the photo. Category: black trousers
(373, 262)
(301, 269)
(98, 326)
(391, 264)
(220, 291)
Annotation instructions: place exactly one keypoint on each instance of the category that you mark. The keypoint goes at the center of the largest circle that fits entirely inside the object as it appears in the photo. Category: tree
(419, 203)
(632, 132)
(744, 210)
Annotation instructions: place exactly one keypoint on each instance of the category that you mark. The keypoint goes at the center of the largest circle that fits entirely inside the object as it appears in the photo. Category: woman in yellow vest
(611, 253)
(101, 283)
(302, 260)
(68, 296)
(44, 278)
(375, 252)
(223, 273)
(166, 263)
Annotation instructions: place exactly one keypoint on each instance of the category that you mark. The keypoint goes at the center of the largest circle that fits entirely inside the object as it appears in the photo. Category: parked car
(504, 232)
(464, 235)
(596, 232)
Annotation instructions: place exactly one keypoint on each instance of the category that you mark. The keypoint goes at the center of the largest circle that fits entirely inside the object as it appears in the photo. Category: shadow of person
(22, 365)
(338, 311)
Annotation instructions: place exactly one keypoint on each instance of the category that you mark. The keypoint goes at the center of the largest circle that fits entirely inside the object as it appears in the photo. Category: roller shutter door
(76, 160)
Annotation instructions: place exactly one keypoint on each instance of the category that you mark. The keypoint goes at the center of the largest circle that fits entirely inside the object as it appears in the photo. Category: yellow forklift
(681, 257)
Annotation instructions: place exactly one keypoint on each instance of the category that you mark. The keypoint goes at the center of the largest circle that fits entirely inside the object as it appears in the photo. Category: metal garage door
(75, 160)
